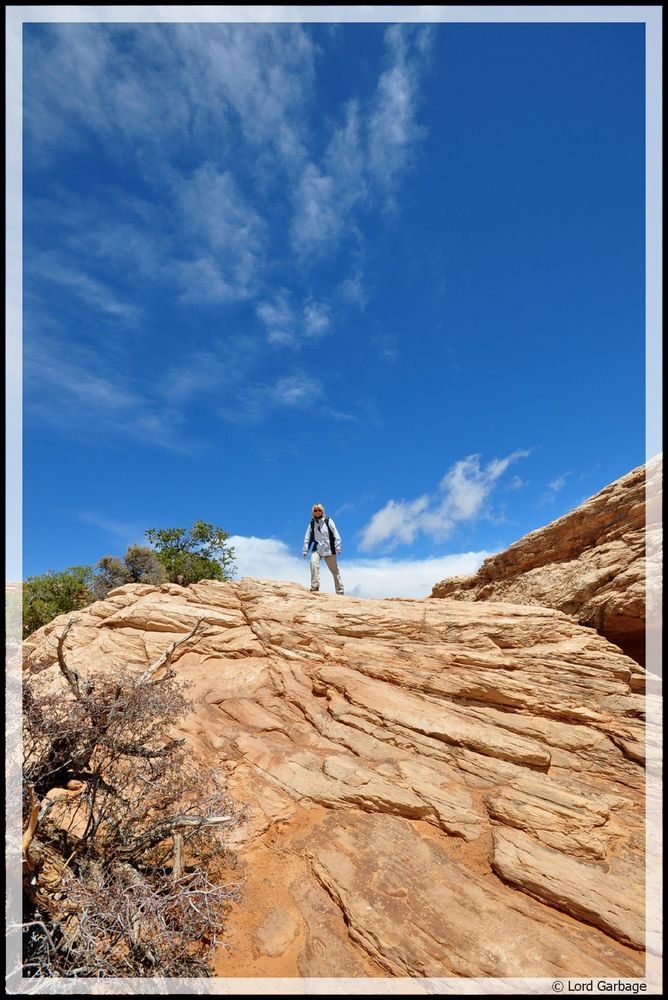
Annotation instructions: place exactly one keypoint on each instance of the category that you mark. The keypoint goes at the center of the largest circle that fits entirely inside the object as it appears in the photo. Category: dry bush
(124, 855)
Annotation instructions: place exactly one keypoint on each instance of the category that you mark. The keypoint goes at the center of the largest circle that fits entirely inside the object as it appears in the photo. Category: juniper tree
(200, 552)
(55, 593)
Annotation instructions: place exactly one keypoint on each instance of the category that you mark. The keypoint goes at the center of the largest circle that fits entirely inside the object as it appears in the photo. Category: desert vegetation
(126, 870)
(175, 555)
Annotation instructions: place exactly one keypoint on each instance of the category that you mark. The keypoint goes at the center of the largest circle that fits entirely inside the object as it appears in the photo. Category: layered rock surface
(435, 788)
(590, 563)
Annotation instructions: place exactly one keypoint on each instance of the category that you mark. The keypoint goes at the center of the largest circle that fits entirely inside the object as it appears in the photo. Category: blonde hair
(320, 506)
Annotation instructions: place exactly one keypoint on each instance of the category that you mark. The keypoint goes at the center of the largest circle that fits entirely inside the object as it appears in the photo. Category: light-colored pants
(315, 571)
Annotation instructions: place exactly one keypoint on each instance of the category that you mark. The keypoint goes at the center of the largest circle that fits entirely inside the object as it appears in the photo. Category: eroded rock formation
(590, 563)
(435, 788)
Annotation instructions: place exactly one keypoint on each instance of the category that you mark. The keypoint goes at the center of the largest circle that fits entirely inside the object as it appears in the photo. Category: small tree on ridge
(200, 552)
(139, 565)
(55, 593)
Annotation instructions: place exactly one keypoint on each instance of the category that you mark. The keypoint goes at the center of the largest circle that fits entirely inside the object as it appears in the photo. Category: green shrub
(55, 593)
(198, 553)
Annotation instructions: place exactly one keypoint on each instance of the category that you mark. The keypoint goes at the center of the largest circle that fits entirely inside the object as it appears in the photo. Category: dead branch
(179, 821)
(166, 658)
(33, 817)
(71, 676)
(177, 866)
(120, 881)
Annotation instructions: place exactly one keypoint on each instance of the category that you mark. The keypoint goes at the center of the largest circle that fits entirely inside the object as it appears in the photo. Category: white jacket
(322, 537)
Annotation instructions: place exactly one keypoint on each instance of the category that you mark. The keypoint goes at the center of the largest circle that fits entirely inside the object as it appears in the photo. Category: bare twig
(71, 676)
(166, 658)
(177, 867)
(180, 821)
(33, 817)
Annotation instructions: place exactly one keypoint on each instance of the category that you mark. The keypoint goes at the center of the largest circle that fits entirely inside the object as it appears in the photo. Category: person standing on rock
(326, 541)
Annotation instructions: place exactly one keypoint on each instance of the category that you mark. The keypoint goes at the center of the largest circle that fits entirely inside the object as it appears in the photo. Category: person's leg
(333, 565)
(315, 570)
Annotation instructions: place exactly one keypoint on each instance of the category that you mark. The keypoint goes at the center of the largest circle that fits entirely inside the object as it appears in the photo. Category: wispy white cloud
(202, 279)
(71, 392)
(558, 483)
(221, 368)
(264, 77)
(460, 497)
(317, 319)
(71, 383)
(387, 346)
(366, 155)
(93, 291)
(254, 403)
(214, 126)
(296, 390)
(318, 220)
(215, 213)
(237, 96)
(354, 290)
(155, 84)
(516, 483)
(145, 92)
(225, 233)
(200, 238)
(553, 489)
(125, 533)
(288, 323)
(393, 130)
(278, 316)
(130, 246)
(72, 67)
(271, 559)
(203, 243)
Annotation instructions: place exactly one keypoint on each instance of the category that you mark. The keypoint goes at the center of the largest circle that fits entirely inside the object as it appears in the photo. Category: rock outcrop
(590, 563)
(434, 788)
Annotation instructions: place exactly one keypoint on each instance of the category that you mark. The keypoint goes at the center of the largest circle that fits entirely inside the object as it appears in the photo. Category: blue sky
(398, 269)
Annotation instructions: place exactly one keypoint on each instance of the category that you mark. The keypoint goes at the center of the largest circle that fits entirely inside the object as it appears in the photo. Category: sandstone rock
(420, 913)
(434, 788)
(590, 563)
(325, 950)
(276, 933)
(603, 896)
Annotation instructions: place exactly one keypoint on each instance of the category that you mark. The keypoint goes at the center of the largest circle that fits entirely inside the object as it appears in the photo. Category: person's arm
(337, 537)
(307, 539)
